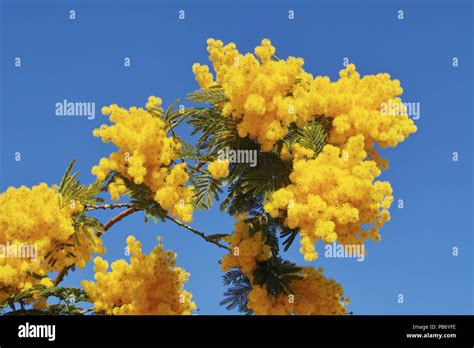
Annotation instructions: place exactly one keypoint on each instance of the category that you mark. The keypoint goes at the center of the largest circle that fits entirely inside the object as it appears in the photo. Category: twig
(108, 225)
(108, 206)
(84, 311)
(125, 213)
(116, 219)
(200, 234)
(200, 164)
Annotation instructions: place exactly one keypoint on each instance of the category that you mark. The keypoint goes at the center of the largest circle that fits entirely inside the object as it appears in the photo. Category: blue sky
(82, 60)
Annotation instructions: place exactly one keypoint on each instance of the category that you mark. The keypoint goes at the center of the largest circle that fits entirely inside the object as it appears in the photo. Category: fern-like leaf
(237, 294)
(214, 96)
(206, 190)
(276, 275)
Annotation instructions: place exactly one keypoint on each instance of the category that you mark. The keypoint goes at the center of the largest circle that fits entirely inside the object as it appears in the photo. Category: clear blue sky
(82, 60)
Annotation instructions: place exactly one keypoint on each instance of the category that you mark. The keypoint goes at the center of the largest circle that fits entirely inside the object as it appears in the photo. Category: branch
(116, 219)
(84, 311)
(108, 206)
(200, 164)
(200, 234)
(108, 225)
(124, 214)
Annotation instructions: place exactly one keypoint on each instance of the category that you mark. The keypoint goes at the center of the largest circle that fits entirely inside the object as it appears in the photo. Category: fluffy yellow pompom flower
(154, 103)
(332, 196)
(313, 295)
(145, 155)
(246, 250)
(203, 76)
(358, 107)
(154, 285)
(117, 188)
(255, 86)
(36, 222)
(266, 95)
(218, 169)
(172, 195)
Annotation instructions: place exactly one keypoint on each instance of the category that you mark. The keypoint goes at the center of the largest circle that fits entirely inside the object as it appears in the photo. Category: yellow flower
(246, 250)
(219, 169)
(266, 95)
(255, 86)
(117, 188)
(154, 103)
(38, 220)
(154, 284)
(145, 155)
(333, 196)
(312, 295)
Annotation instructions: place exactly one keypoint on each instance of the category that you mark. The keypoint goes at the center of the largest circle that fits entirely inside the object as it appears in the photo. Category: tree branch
(200, 164)
(116, 219)
(108, 206)
(122, 215)
(200, 234)
(84, 311)
(108, 225)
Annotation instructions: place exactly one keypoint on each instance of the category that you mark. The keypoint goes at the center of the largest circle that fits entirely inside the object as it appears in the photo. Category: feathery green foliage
(68, 298)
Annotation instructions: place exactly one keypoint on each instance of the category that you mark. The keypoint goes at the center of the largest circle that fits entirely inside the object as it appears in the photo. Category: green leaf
(214, 95)
(237, 294)
(276, 275)
(217, 131)
(206, 190)
(173, 117)
(312, 136)
(71, 189)
(68, 295)
(142, 199)
(188, 151)
(290, 236)
(268, 176)
(66, 175)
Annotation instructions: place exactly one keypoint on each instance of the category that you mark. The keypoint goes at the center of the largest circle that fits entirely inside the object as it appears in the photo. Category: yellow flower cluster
(313, 295)
(117, 188)
(266, 95)
(218, 169)
(255, 86)
(357, 106)
(245, 250)
(332, 196)
(37, 301)
(37, 225)
(150, 285)
(145, 155)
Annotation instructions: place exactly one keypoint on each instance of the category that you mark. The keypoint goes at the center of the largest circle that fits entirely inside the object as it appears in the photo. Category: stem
(200, 164)
(200, 234)
(108, 225)
(108, 206)
(84, 311)
(116, 219)
(124, 214)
